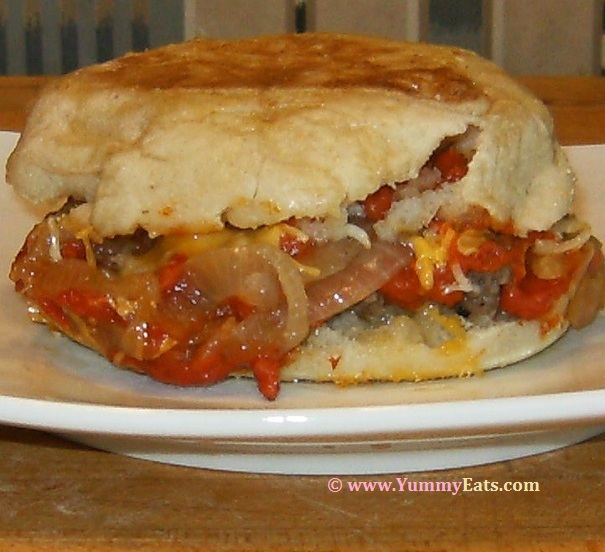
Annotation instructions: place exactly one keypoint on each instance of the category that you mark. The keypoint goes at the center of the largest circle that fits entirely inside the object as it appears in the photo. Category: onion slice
(366, 273)
(263, 276)
(330, 257)
(573, 235)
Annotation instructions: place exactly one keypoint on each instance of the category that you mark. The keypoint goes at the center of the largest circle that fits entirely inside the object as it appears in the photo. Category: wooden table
(58, 496)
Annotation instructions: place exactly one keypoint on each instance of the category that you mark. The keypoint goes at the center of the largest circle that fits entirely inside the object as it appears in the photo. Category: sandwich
(318, 207)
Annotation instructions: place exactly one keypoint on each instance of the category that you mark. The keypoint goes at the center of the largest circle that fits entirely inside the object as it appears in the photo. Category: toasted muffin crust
(192, 136)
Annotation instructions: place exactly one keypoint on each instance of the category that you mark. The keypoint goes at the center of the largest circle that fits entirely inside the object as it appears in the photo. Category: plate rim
(506, 414)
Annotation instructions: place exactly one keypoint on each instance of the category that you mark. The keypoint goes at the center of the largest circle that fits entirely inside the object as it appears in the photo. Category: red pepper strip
(532, 297)
(377, 204)
(73, 249)
(451, 164)
(54, 313)
(404, 289)
(170, 273)
(89, 306)
(176, 368)
(491, 257)
(266, 371)
(292, 245)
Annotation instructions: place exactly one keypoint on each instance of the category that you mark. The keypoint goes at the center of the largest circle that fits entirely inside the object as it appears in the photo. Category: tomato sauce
(155, 322)
(493, 254)
(531, 297)
(377, 205)
(156, 319)
(406, 291)
(526, 296)
(452, 164)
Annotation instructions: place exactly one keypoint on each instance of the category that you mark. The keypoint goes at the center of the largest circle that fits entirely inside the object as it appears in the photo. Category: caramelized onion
(573, 234)
(365, 274)
(263, 276)
(331, 257)
(589, 296)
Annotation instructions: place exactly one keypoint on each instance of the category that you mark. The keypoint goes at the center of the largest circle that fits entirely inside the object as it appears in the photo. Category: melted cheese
(193, 244)
(470, 241)
(454, 327)
(431, 251)
(85, 235)
(447, 334)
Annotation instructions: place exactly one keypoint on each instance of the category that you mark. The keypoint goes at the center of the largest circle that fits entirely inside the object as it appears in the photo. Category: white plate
(49, 383)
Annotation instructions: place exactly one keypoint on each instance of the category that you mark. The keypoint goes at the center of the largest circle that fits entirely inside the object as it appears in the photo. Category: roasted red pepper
(451, 164)
(405, 290)
(376, 205)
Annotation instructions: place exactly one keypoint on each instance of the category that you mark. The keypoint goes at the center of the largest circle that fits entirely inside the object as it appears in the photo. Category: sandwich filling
(194, 309)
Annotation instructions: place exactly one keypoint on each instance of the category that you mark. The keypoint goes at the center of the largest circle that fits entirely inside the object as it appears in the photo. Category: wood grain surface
(58, 496)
